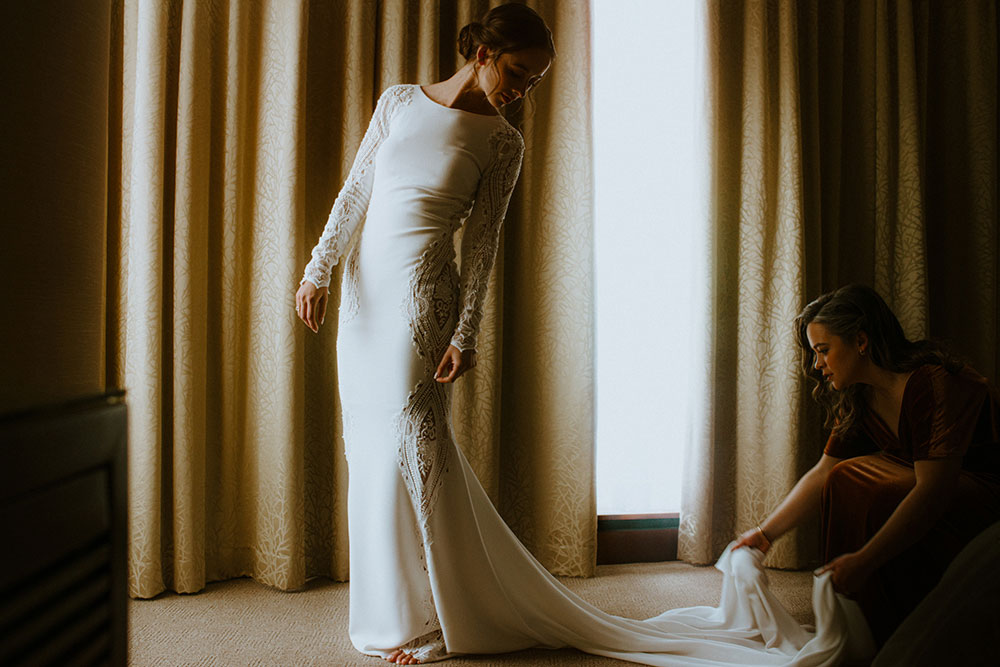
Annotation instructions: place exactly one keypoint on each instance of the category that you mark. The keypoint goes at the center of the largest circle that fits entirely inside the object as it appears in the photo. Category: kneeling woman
(911, 471)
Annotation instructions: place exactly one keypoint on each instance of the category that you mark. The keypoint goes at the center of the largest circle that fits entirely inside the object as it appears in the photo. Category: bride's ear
(483, 55)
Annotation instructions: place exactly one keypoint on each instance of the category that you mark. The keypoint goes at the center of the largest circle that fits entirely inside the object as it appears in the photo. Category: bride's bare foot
(401, 657)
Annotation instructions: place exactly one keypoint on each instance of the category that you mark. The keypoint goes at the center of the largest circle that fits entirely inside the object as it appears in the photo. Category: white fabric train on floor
(751, 627)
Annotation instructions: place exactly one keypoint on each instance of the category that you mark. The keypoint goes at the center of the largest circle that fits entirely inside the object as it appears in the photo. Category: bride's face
(510, 75)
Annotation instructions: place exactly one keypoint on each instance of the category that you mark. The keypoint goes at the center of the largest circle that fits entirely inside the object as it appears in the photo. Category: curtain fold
(757, 236)
(900, 256)
(238, 123)
(546, 443)
(850, 141)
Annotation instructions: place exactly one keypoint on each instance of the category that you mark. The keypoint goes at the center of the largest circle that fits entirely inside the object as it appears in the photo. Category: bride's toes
(401, 657)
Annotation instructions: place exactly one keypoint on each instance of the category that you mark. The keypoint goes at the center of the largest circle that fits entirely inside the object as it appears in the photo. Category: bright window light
(648, 90)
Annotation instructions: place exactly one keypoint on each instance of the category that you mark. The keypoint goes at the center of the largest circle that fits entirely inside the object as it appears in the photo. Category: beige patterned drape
(850, 141)
(237, 121)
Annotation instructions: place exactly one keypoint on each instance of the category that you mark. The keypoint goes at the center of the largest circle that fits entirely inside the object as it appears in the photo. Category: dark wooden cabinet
(63, 595)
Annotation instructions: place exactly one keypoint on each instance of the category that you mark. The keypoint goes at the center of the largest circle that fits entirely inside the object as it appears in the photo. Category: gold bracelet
(763, 534)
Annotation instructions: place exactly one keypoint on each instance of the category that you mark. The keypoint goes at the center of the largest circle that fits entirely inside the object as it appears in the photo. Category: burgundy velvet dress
(943, 415)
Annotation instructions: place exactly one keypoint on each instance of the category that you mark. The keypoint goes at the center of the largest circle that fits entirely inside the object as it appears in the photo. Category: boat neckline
(438, 104)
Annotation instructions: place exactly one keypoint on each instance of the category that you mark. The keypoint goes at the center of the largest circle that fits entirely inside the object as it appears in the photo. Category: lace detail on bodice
(352, 202)
(423, 426)
(482, 230)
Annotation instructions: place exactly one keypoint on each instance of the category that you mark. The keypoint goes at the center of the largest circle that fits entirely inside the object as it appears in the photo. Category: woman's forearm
(800, 503)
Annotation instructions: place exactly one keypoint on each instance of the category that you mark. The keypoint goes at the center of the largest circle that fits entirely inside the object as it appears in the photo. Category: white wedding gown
(434, 569)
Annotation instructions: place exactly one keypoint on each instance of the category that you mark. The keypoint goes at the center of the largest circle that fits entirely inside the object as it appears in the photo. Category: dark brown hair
(506, 28)
(846, 312)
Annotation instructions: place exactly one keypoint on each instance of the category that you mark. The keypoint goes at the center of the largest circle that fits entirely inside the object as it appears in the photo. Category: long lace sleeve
(352, 203)
(482, 231)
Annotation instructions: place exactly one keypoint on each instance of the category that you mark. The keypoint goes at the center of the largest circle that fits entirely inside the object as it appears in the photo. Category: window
(650, 157)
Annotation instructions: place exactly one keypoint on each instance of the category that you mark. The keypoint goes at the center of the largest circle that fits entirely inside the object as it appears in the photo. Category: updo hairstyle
(506, 28)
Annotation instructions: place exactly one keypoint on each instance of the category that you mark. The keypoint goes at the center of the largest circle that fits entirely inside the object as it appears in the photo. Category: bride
(434, 569)
(433, 157)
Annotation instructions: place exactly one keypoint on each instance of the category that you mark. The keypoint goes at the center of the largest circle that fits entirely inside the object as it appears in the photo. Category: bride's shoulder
(506, 140)
(397, 93)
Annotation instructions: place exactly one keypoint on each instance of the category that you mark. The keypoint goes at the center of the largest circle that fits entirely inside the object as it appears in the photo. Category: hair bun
(505, 28)
(468, 38)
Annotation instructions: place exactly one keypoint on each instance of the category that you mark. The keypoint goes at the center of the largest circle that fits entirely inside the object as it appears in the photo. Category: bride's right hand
(753, 538)
(310, 304)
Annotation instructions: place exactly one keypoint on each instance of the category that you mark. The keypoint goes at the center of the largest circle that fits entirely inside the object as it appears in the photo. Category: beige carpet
(241, 622)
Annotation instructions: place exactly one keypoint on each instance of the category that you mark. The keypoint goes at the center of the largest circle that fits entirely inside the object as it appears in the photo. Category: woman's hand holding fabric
(454, 363)
(850, 572)
(801, 503)
(753, 538)
(310, 304)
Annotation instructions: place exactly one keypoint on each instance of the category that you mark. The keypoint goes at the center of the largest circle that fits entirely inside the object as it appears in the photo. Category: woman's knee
(871, 480)
(845, 476)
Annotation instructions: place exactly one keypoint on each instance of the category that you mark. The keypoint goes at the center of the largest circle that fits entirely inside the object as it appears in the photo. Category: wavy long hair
(846, 312)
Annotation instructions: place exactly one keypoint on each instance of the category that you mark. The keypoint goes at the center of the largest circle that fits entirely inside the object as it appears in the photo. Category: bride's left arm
(482, 234)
